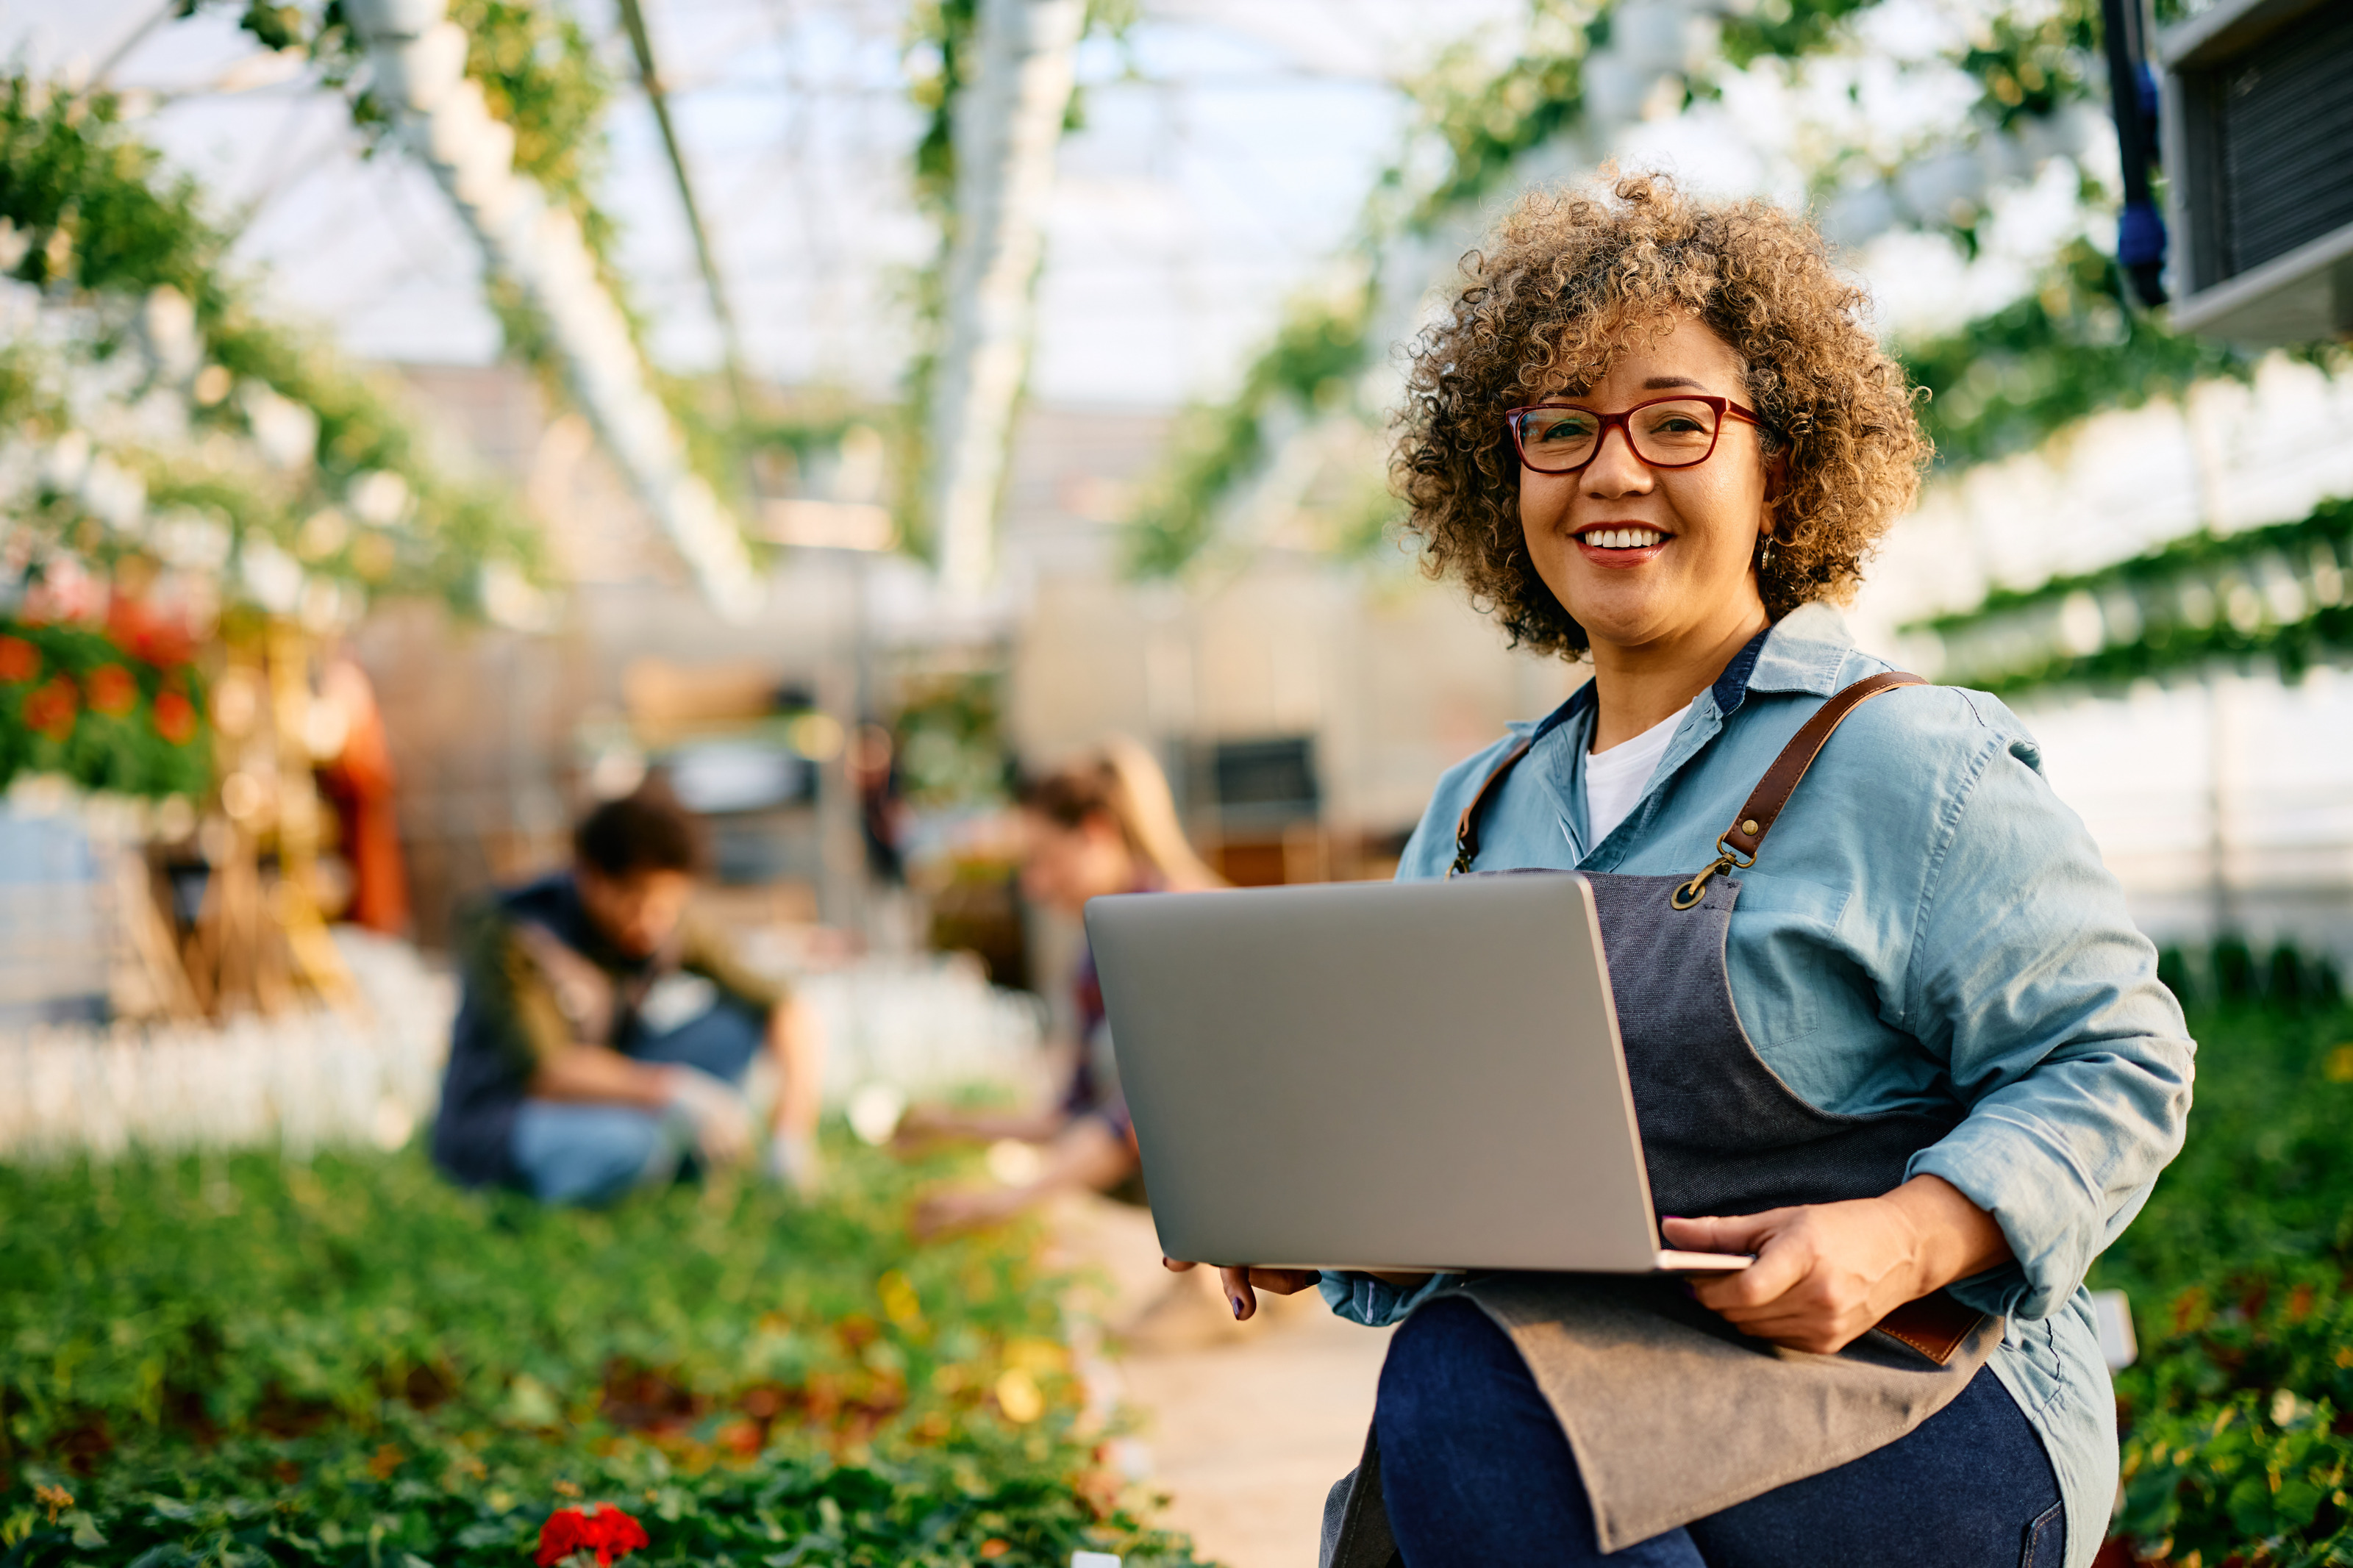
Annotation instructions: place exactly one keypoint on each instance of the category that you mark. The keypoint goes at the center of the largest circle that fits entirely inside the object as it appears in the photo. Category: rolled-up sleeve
(1375, 1303)
(2027, 974)
(704, 951)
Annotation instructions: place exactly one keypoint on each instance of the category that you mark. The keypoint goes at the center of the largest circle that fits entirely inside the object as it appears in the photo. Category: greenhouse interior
(606, 606)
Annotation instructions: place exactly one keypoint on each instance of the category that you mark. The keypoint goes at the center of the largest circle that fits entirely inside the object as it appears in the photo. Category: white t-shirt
(1615, 779)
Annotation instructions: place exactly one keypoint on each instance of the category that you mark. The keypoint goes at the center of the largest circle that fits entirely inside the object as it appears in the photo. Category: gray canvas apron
(1671, 1414)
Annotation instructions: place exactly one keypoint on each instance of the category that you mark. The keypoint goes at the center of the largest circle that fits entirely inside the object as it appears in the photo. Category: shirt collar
(1802, 651)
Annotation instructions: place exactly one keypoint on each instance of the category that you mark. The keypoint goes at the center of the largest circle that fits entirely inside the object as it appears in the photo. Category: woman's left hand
(1826, 1272)
(1242, 1284)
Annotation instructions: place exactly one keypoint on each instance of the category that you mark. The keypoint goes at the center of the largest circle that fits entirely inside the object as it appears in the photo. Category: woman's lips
(1620, 545)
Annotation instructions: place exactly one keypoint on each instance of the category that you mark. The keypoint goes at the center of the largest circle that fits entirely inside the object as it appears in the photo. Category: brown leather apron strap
(1762, 809)
(1466, 829)
(1736, 848)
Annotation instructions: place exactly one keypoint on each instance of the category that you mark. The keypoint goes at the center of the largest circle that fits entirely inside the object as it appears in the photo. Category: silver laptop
(1375, 1075)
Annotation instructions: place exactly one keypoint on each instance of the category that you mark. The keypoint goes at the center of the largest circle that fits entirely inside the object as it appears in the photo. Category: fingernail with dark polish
(1691, 1289)
(1240, 1308)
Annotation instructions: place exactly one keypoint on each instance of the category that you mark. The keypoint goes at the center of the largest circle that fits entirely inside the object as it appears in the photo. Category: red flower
(19, 660)
(50, 710)
(175, 717)
(603, 1529)
(144, 633)
(113, 690)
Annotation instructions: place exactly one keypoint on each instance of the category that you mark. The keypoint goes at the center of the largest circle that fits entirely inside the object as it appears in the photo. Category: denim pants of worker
(1474, 1470)
(569, 1153)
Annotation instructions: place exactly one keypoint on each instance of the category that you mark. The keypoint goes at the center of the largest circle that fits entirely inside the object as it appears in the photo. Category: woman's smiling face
(1642, 556)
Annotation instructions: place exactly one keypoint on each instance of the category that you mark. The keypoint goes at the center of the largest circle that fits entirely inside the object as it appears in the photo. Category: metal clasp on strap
(1727, 858)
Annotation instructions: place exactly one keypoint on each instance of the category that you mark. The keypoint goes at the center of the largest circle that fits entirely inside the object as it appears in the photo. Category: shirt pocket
(1790, 972)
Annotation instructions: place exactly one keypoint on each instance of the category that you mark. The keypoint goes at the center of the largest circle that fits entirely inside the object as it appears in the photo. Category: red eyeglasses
(1665, 432)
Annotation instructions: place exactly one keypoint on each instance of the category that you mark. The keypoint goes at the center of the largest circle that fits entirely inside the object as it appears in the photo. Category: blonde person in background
(1104, 824)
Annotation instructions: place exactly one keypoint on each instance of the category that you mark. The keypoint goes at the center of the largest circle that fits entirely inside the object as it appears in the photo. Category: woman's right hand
(1242, 1284)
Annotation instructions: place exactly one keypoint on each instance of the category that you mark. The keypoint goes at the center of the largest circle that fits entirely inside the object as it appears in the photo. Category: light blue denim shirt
(1926, 923)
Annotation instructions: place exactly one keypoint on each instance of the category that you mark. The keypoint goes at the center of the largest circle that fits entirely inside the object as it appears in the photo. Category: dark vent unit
(2259, 143)
(1272, 779)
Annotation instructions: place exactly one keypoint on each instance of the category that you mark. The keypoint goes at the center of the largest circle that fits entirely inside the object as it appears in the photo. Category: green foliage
(1484, 119)
(2032, 66)
(951, 740)
(2006, 382)
(2266, 1172)
(430, 1499)
(229, 1357)
(1483, 122)
(1320, 348)
(2245, 1480)
(100, 218)
(2281, 595)
(104, 218)
(1785, 30)
(938, 60)
(937, 54)
(2237, 1445)
(541, 77)
(75, 700)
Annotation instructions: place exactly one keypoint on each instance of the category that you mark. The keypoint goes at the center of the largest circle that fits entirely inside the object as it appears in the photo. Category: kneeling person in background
(604, 1035)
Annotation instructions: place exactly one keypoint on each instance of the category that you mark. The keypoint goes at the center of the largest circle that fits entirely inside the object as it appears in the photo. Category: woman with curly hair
(1910, 1053)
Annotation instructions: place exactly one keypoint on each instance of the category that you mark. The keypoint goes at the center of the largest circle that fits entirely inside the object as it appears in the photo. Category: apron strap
(1466, 829)
(1747, 835)
(1762, 809)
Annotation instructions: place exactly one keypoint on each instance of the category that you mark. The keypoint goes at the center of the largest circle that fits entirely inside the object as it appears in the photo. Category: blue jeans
(574, 1152)
(1475, 1470)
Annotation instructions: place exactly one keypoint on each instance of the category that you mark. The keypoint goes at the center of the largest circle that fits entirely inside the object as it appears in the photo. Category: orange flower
(175, 717)
(50, 711)
(113, 690)
(19, 660)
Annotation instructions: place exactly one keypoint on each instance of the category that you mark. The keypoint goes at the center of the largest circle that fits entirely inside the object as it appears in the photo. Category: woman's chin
(1621, 618)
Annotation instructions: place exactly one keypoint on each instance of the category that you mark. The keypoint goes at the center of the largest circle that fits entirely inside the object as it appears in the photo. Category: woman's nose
(1615, 470)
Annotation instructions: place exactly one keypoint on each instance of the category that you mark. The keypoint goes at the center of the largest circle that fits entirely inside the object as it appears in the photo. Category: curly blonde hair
(1562, 283)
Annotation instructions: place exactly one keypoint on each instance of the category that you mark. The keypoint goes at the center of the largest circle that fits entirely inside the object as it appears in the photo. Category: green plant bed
(235, 1360)
(2238, 1419)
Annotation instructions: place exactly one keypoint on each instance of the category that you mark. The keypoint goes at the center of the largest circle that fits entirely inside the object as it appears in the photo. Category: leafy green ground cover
(2238, 1420)
(236, 1360)
(233, 1360)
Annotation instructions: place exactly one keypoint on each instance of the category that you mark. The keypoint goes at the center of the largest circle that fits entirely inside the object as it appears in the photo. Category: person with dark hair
(1909, 1054)
(604, 1033)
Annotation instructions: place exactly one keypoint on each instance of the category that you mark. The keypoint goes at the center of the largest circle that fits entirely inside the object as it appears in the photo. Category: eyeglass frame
(1722, 406)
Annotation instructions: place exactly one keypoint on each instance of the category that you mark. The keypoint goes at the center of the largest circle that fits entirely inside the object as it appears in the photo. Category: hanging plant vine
(89, 214)
(541, 77)
(1480, 123)
(2281, 595)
